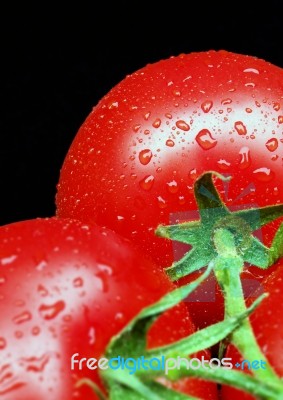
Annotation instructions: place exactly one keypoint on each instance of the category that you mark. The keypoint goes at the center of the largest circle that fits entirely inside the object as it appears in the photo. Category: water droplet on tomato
(91, 335)
(206, 106)
(245, 158)
(240, 128)
(274, 157)
(146, 132)
(2, 280)
(272, 144)
(52, 310)
(193, 173)
(3, 343)
(250, 84)
(35, 330)
(78, 282)
(182, 125)
(276, 106)
(161, 202)
(42, 290)
(224, 102)
(146, 116)
(41, 265)
(19, 334)
(205, 140)
(145, 156)
(182, 200)
(119, 316)
(23, 317)
(264, 174)
(172, 187)
(168, 115)
(223, 164)
(156, 123)
(36, 364)
(249, 110)
(280, 119)
(253, 70)
(147, 182)
(170, 143)
(136, 128)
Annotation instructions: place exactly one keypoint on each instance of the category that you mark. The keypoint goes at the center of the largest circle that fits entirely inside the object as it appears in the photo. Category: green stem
(228, 266)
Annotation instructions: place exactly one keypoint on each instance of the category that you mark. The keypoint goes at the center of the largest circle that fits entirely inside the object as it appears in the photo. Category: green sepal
(215, 215)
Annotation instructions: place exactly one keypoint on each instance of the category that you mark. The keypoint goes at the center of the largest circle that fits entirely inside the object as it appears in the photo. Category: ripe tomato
(268, 327)
(67, 288)
(134, 160)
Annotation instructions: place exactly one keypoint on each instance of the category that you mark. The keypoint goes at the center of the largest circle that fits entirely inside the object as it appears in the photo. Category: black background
(56, 65)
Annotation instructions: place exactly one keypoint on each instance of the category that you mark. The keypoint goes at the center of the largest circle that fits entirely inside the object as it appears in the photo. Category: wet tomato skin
(134, 160)
(65, 288)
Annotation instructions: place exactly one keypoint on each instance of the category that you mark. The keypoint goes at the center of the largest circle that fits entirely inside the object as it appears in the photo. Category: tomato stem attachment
(224, 241)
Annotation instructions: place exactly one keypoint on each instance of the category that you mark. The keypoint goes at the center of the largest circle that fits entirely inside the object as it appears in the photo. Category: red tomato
(267, 323)
(67, 288)
(134, 160)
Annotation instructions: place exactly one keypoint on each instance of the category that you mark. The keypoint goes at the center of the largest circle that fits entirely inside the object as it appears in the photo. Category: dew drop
(206, 106)
(193, 173)
(172, 187)
(3, 343)
(264, 174)
(145, 156)
(253, 70)
(91, 335)
(182, 125)
(224, 102)
(161, 202)
(35, 330)
(276, 106)
(119, 316)
(8, 260)
(280, 119)
(168, 115)
(146, 132)
(250, 84)
(156, 123)
(223, 164)
(36, 364)
(146, 116)
(240, 128)
(51, 311)
(205, 140)
(249, 110)
(182, 200)
(23, 317)
(170, 143)
(245, 158)
(272, 144)
(19, 334)
(136, 128)
(78, 282)
(42, 290)
(147, 182)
